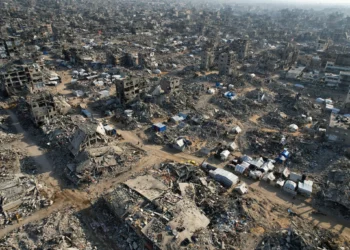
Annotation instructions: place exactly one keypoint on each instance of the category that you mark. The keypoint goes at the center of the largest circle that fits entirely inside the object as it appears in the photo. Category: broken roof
(147, 186)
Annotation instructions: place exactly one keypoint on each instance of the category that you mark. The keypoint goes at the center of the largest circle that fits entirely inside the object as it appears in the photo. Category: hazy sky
(342, 2)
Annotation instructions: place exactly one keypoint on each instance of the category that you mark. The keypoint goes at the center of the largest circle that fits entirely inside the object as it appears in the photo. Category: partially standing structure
(226, 63)
(88, 134)
(22, 79)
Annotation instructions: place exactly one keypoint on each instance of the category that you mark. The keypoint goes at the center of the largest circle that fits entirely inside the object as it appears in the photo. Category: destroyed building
(340, 64)
(226, 63)
(43, 107)
(128, 60)
(21, 79)
(169, 208)
(207, 60)
(240, 47)
(3, 51)
(129, 88)
(111, 59)
(170, 84)
(147, 60)
(281, 57)
(13, 45)
(88, 134)
(98, 162)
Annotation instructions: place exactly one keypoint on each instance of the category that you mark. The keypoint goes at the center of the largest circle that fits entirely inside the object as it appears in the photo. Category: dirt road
(303, 207)
(45, 166)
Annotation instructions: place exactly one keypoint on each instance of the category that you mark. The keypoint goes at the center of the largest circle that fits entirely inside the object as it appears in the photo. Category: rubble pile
(276, 120)
(176, 205)
(295, 239)
(178, 101)
(20, 196)
(60, 130)
(104, 224)
(261, 95)
(6, 136)
(334, 189)
(94, 164)
(212, 131)
(14, 161)
(267, 143)
(241, 108)
(61, 230)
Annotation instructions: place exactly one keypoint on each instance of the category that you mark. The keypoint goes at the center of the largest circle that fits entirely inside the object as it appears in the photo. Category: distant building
(147, 60)
(342, 63)
(295, 73)
(322, 45)
(344, 78)
(332, 79)
(3, 51)
(226, 63)
(207, 60)
(111, 59)
(240, 47)
(170, 84)
(13, 46)
(128, 60)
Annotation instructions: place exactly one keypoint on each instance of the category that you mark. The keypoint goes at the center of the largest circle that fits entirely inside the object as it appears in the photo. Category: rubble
(96, 163)
(258, 92)
(173, 205)
(294, 238)
(333, 189)
(62, 229)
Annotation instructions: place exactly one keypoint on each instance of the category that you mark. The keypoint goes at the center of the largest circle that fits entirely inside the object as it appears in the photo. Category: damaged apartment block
(226, 63)
(21, 79)
(170, 84)
(130, 88)
(133, 87)
(43, 107)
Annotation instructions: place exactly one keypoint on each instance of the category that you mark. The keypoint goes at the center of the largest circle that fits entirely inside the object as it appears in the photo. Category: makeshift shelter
(226, 178)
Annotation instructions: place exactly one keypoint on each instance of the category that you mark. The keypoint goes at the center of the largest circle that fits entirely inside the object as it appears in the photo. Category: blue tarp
(160, 127)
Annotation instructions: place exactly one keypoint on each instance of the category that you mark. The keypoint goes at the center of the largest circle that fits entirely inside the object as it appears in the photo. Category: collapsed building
(173, 207)
(241, 47)
(12, 46)
(20, 194)
(62, 229)
(97, 162)
(170, 84)
(88, 134)
(338, 128)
